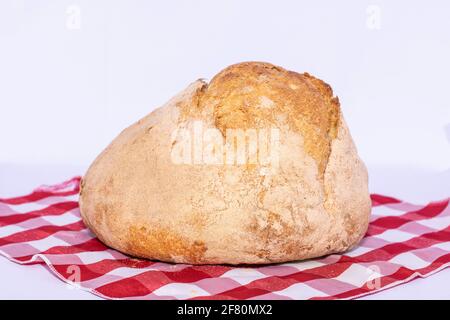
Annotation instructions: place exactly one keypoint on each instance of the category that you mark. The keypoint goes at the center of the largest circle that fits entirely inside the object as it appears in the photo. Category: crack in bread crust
(253, 95)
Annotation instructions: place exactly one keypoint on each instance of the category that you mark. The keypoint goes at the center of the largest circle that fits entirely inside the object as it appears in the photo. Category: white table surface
(35, 282)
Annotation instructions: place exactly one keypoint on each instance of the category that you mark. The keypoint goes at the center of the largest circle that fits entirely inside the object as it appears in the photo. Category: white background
(66, 92)
(73, 74)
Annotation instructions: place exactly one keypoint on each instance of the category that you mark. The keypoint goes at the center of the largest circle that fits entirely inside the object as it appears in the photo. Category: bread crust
(316, 202)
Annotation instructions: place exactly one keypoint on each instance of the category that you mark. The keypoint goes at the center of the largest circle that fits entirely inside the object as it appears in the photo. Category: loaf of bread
(257, 166)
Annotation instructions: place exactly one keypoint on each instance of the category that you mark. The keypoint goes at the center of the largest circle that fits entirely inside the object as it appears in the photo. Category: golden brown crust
(253, 94)
(162, 244)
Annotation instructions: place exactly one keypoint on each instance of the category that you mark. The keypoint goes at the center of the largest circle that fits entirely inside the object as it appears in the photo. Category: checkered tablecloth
(404, 241)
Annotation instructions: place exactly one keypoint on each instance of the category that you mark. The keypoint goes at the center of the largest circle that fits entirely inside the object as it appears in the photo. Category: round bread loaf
(256, 166)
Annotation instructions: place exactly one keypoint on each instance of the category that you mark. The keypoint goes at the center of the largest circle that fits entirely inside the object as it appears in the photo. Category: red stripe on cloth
(378, 200)
(71, 185)
(431, 210)
(149, 281)
(40, 233)
(391, 250)
(52, 210)
(95, 270)
(398, 278)
(92, 245)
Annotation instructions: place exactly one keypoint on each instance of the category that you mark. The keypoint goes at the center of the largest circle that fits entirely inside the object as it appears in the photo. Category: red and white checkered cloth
(404, 241)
